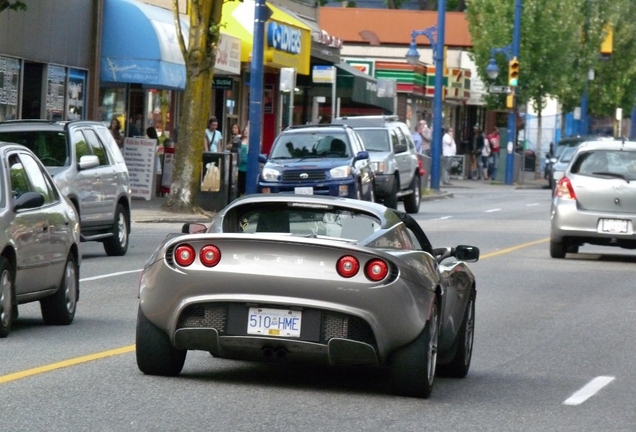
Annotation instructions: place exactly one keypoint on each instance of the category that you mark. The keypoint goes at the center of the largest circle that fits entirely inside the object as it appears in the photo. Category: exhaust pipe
(268, 352)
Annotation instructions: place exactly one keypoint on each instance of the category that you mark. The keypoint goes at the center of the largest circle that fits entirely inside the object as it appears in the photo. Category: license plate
(615, 226)
(274, 322)
(307, 190)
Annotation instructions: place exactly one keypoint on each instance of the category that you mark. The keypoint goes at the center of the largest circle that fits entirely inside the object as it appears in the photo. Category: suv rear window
(613, 163)
(311, 145)
(48, 146)
(375, 139)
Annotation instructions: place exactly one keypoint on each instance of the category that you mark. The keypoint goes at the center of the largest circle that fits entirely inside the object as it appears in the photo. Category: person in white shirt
(212, 136)
(449, 149)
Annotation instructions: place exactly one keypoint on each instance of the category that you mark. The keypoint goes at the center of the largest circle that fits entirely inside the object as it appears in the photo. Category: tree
(199, 57)
(13, 5)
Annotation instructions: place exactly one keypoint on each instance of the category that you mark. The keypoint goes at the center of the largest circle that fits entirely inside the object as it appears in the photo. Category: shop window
(9, 88)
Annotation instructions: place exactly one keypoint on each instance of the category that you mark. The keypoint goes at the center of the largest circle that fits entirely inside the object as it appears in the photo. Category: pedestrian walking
(485, 159)
(417, 138)
(449, 150)
(477, 163)
(242, 165)
(212, 136)
(427, 137)
(493, 139)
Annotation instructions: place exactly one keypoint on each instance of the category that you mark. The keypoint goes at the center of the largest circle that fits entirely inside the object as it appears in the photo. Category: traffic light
(510, 101)
(513, 72)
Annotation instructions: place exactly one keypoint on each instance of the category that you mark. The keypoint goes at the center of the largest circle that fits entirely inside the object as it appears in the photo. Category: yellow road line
(130, 348)
(514, 248)
(65, 363)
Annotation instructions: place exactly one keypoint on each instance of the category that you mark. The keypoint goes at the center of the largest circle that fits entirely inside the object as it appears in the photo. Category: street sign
(500, 89)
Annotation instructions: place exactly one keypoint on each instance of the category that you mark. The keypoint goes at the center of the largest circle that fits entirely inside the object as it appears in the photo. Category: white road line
(104, 276)
(492, 210)
(444, 217)
(589, 390)
(532, 205)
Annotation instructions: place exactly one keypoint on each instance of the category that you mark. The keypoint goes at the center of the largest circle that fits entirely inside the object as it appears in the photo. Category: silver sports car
(316, 279)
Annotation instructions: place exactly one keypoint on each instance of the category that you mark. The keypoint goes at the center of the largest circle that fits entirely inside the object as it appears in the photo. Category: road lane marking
(532, 205)
(104, 276)
(588, 390)
(65, 363)
(444, 217)
(492, 210)
(514, 248)
(130, 348)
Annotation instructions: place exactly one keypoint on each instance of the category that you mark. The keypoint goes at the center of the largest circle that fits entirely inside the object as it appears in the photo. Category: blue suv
(318, 160)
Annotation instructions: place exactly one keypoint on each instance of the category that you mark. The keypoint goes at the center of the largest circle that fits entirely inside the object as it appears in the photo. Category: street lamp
(412, 57)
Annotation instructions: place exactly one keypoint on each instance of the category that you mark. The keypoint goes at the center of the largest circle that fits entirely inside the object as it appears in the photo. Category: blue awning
(139, 45)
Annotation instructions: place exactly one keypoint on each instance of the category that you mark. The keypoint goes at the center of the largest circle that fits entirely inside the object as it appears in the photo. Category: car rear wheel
(117, 245)
(412, 368)
(7, 308)
(412, 201)
(59, 309)
(557, 250)
(155, 353)
(391, 200)
(460, 364)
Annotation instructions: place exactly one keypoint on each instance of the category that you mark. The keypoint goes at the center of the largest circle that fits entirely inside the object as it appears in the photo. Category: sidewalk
(151, 211)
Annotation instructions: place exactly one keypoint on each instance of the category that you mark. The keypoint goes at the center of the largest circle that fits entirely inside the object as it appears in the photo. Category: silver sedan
(285, 278)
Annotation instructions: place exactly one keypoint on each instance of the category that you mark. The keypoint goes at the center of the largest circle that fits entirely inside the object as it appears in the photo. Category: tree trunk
(537, 155)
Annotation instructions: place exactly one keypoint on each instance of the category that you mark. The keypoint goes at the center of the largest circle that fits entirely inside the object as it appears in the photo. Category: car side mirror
(400, 148)
(87, 162)
(193, 228)
(467, 253)
(262, 158)
(362, 155)
(28, 200)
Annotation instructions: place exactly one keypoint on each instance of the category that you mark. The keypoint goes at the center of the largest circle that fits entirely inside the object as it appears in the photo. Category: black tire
(391, 200)
(155, 354)
(59, 309)
(412, 201)
(412, 368)
(117, 245)
(460, 364)
(557, 250)
(7, 302)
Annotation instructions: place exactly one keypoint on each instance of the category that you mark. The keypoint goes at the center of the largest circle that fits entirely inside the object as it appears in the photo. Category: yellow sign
(608, 43)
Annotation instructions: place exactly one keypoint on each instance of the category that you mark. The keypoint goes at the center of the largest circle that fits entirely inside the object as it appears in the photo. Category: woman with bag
(486, 153)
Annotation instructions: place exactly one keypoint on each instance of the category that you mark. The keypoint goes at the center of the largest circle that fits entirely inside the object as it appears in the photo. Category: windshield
(375, 139)
(567, 155)
(48, 146)
(311, 145)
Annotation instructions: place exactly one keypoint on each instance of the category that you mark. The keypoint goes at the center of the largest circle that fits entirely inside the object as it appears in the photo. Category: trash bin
(215, 185)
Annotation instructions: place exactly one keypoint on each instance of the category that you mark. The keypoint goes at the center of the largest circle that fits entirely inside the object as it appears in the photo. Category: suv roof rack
(367, 121)
(320, 125)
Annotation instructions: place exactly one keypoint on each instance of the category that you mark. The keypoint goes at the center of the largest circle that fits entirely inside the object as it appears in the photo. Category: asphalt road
(545, 329)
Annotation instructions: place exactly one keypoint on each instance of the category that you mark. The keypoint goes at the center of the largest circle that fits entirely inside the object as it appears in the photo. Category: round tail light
(184, 255)
(376, 270)
(210, 255)
(347, 266)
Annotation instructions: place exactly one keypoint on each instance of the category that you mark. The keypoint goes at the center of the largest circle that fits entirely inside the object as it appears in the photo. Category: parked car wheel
(155, 354)
(557, 250)
(460, 364)
(412, 368)
(6, 298)
(117, 245)
(391, 200)
(59, 309)
(412, 201)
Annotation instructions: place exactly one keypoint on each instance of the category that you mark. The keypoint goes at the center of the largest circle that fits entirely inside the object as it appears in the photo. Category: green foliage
(13, 5)
(560, 43)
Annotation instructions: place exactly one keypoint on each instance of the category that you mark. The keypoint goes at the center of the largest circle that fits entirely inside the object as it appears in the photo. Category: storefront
(42, 75)
(287, 44)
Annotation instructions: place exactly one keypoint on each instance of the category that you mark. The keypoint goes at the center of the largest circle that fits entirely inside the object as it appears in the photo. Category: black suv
(318, 160)
(394, 160)
(88, 168)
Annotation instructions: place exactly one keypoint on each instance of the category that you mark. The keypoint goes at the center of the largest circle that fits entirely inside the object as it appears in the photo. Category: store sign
(228, 55)
(323, 74)
(222, 83)
(283, 38)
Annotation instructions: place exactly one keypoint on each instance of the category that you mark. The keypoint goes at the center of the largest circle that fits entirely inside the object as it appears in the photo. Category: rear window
(612, 163)
(48, 146)
(375, 139)
(299, 219)
(307, 145)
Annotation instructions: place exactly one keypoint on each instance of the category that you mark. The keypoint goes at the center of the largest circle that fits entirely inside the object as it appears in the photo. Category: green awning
(360, 87)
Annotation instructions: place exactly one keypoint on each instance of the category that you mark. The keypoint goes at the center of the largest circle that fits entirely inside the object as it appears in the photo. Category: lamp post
(512, 52)
(412, 57)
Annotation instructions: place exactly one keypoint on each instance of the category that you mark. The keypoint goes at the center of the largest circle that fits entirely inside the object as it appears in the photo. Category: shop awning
(360, 87)
(139, 45)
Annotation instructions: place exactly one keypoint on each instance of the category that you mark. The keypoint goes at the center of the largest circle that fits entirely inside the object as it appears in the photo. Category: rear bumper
(567, 221)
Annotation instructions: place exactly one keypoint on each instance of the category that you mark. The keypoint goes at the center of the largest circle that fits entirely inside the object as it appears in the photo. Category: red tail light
(210, 255)
(564, 189)
(184, 255)
(347, 266)
(376, 270)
